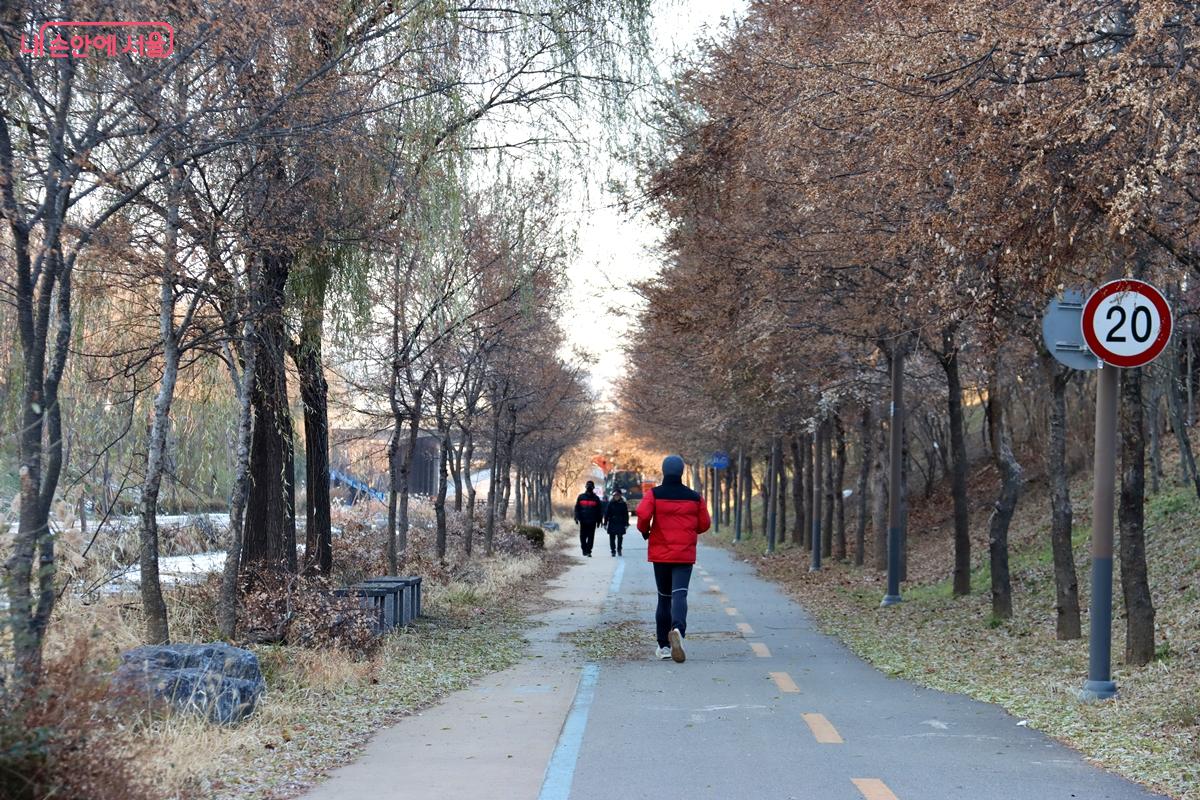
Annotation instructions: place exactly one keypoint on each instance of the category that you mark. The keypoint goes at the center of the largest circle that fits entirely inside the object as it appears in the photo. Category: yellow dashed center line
(723, 598)
(874, 789)
(731, 611)
(784, 682)
(745, 628)
(760, 650)
(822, 729)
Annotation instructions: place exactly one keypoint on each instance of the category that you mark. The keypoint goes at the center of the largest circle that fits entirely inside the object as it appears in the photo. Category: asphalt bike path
(495, 738)
(768, 707)
(764, 707)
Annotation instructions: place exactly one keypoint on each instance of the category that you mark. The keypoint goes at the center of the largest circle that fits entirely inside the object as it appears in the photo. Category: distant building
(423, 475)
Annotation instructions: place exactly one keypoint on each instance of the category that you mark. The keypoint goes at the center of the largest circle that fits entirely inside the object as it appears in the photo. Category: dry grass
(65, 738)
(1150, 733)
(613, 641)
(321, 705)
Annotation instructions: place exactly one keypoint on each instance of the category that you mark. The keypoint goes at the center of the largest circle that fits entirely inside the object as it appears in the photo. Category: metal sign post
(1126, 323)
(1099, 685)
(820, 450)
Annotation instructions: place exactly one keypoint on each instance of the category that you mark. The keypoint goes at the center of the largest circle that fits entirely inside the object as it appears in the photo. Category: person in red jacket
(671, 517)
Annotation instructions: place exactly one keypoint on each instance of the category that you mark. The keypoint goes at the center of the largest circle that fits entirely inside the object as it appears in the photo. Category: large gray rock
(216, 681)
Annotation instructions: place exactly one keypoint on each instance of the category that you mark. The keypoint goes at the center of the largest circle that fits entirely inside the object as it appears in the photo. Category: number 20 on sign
(1126, 323)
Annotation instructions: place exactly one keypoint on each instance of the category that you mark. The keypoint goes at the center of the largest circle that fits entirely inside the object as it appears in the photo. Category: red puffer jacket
(673, 516)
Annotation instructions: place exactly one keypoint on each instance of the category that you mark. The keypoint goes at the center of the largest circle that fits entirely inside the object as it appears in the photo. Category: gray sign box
(1062, 331)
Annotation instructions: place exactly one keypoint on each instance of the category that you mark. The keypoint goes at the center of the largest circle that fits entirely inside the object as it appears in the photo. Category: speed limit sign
(1126, 323)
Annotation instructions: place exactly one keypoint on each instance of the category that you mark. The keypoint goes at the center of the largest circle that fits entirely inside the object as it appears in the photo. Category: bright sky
(617, 249)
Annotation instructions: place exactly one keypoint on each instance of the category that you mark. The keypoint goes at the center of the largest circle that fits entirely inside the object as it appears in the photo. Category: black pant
(587, 535)
(615, 537)
(672, 581)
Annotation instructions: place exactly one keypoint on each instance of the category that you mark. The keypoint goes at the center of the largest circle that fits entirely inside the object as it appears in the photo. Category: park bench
(393, 600)
(377, 600)
(407, 596)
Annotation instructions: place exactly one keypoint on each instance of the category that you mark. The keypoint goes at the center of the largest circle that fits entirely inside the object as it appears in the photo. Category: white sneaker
(676, 639)
(663, 653)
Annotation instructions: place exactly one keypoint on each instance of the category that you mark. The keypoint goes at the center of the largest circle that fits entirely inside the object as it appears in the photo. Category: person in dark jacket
(616, 520)
(589, 511)
(671, 518)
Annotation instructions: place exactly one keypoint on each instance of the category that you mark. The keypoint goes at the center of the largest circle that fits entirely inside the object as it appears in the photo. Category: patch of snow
(173, 570)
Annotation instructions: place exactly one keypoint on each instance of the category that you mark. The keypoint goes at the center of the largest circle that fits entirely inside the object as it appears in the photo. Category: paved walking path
(764, 707)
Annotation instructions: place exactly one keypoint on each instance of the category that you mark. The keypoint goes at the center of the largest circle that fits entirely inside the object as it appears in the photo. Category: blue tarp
(342, 478)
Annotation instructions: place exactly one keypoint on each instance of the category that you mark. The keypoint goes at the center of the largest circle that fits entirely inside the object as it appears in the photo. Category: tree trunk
(716, 489)
(772, 496)
(748, 494)
(1191, 405)
(227, 607)
(314, 395)
(826, 483)
(738, 506)
(154, 607)
(866, 453)
(817, 485)
(879, 496)
(958, 474)
(468, 455)
(905, 473)
(522, 494)
(269, 534)
(509, 445)
(439, 503)
(839, 480)
(797, 492)
(807, 449)
(1135, 586)
(1006, 503)
(729, 493)
(765, 491)
(393, 521)
(1187, 460)
(494, 478)
(456, 476)
(1152, 423)
(781, 489)
(40, 464)
(404, 490)
(1065, 582)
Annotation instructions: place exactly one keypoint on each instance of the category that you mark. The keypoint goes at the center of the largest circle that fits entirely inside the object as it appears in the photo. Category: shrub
(64, 739)
(301, 610)
(535, 535)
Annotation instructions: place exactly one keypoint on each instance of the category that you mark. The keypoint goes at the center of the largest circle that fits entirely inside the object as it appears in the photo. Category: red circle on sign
(1153, 348)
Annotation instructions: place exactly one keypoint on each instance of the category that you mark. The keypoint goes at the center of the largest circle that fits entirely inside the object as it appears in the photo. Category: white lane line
(615, 586)
(560, 772)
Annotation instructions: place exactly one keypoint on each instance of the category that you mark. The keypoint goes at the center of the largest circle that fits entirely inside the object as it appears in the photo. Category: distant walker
(589, 511)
